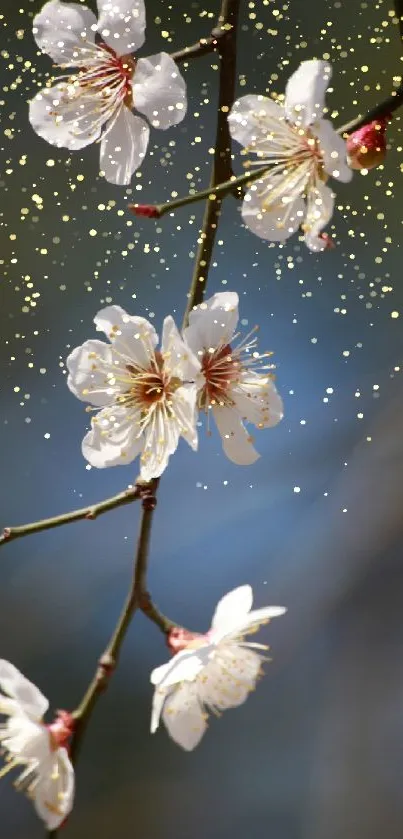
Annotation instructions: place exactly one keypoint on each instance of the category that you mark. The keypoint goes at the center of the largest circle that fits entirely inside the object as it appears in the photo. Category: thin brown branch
(206, 45)
(384, 109)
(222, 190)
(222, 170)
(89, 513)
(109, 659)
(202, 47)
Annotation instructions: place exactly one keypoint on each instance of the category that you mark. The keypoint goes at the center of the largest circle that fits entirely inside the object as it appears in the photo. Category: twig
(222, 189)
(388, 106)
(222, 170)
(90, 513)
(205, 45)
(202, 47)
(109, 659)
(138, 597)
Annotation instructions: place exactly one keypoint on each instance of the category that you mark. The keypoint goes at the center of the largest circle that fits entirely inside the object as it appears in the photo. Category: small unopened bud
(146, 210)
(366, 147)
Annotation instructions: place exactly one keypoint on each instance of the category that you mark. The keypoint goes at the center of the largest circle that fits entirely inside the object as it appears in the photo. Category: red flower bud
(366, 147)
(146, 210)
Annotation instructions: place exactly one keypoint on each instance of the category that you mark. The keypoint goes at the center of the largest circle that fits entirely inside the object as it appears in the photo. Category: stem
(90, 513)
(202, 47)
(221, 189)
(221, 170)
(388, 106)
(110, 656)
(206, 45)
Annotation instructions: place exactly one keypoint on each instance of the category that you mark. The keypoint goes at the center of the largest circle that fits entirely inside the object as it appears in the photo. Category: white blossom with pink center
(235, 382)
(215, 671)
(303, 150)
(95, 102)
(145, 398)
(48, 775)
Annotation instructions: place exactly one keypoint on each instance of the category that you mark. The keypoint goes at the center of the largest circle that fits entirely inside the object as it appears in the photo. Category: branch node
(147, 493)
(106, 666)
(144, 601)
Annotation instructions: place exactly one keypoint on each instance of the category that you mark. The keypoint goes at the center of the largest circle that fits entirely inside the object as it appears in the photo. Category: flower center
(107, 75)
(221, 369)
(148, 387)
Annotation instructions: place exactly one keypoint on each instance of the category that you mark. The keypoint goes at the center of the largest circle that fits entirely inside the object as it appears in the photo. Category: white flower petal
(88, 366)
(113, 439)
(232, 608)
(26, 739)
(121, 24)
(319, 212)
(156, 708)
(230, 677)
(161, 438)
(183, 716)
(134, 338)
(59, 28)
(271, 210)
(213, 323)
(258, 123)
(183, 667)
(26, 694)
(8, 706)
(334, 151)
(256, 616)
(54, 793)
(159, 91)
(305, 92)
(178, 357)
(62, 121)
(235, 439)
(123, 147)
(184, 405)
(257, 400)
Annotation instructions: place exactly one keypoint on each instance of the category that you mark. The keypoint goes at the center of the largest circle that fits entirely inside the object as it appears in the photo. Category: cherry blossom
(41, 750)
(303, 150)
(95, 102)
(215, 671)
(146, 397)
(235, 382)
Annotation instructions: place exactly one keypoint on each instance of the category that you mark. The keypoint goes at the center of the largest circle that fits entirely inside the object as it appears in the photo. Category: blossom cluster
(145, 394)
(147, 398)
(214, 671)
(107, 87)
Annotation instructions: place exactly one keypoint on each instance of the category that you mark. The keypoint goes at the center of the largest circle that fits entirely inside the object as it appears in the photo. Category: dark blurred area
(316, 524)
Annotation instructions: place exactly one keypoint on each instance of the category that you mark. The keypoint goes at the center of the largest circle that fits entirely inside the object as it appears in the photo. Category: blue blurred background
(316, 524)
